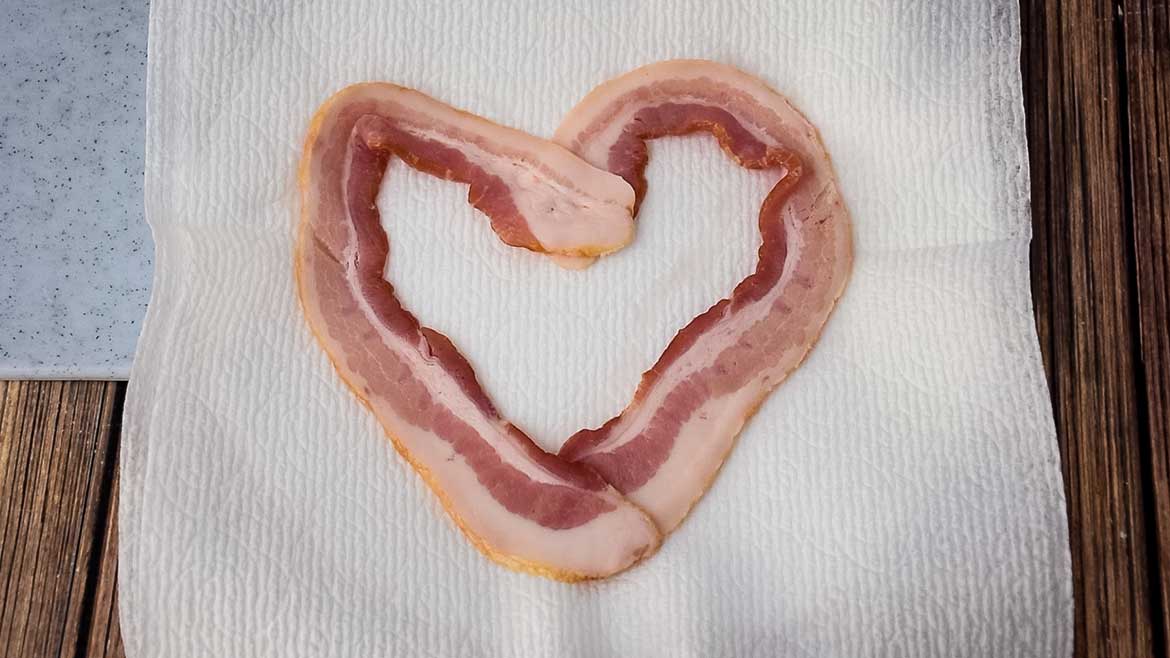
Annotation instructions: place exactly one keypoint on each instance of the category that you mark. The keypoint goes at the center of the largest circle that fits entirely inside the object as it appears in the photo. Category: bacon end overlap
(519, 505)
(665, 448)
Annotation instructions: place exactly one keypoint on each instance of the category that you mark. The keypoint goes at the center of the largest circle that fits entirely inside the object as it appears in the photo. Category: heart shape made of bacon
(610, 496)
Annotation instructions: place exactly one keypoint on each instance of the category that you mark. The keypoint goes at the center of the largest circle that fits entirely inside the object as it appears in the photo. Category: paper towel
(900, 495)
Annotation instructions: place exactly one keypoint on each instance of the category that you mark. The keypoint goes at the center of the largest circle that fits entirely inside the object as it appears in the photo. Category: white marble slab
(75, 253)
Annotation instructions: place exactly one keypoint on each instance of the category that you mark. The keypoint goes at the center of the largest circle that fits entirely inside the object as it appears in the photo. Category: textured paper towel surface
(898, 496)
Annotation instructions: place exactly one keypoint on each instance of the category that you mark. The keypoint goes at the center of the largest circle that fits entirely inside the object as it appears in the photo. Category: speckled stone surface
(76, 257)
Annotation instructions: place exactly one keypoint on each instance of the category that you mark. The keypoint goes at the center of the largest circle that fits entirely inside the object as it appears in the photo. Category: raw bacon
(565, 516)
(666, 447)
(519, 505)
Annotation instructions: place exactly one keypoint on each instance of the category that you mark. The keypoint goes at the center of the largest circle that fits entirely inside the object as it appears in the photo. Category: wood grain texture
(1146, 55)
(105, 637)
(55, 467)
(1081, 276)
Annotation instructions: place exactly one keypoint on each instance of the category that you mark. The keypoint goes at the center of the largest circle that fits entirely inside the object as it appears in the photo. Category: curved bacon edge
(665, 448)
(519, 505)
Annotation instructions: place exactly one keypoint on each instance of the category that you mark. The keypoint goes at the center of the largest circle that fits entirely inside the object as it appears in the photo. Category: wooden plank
(54, 472)
(1146, 33)
(105, 637)
(1084, 311)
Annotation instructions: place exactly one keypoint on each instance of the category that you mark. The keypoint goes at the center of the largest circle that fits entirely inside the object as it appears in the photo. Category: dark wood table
(1097, 94)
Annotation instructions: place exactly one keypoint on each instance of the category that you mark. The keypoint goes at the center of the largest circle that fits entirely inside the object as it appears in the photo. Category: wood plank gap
(79, 607)
(1145, 445)
(1147, 29)
(101, 576)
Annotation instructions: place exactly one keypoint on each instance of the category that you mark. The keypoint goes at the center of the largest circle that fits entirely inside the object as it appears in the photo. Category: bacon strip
(519, 505)
(665, 448)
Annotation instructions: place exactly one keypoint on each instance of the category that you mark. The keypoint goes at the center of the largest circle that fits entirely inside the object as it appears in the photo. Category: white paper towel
(900, 495)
